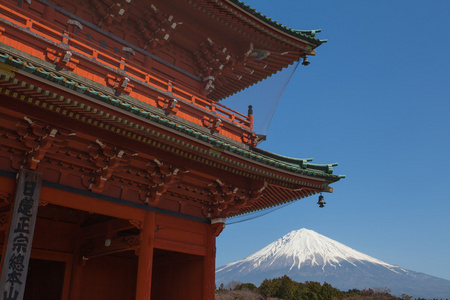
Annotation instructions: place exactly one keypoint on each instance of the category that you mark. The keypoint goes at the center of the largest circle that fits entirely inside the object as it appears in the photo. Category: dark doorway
(176, 276)
(44, 280)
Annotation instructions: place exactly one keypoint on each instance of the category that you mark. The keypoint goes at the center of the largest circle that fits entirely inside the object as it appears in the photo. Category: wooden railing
(122, 66)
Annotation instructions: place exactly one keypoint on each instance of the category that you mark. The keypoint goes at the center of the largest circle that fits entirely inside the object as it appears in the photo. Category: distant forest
(284, 288)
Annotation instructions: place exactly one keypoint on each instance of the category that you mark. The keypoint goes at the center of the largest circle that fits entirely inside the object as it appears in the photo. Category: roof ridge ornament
(309, 32)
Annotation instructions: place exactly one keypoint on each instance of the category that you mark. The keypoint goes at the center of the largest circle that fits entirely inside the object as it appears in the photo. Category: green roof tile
(301, 166)
(306, 34)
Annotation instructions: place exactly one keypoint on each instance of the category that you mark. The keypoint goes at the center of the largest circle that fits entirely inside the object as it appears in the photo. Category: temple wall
(177, 276)
(180, 252)
(109, 278)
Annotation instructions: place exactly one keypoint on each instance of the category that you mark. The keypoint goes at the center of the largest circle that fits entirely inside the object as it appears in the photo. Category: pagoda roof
(295, 165)
(165, 138)
(284, 179)
(302, 34)
(223, 40)
(283, 45)
(219, 39)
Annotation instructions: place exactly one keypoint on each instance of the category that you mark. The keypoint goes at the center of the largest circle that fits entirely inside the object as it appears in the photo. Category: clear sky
(375, 99)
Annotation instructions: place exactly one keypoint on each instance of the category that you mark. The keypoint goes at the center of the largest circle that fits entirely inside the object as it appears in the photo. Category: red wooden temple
(118, 164)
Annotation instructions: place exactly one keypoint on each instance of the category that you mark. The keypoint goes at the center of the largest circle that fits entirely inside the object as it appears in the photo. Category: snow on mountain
(305, 255)
(306, 247)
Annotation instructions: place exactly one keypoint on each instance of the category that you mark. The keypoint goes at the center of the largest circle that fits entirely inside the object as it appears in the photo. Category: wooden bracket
(40, 139)
(137, 224)
(112, 13)
(162, 177)
(214, 124)
(217, 226)
(250, 139)
(156, 27)
(62, 59)
(170, 106)
(107, 159)
(122, 85)
(227, 198)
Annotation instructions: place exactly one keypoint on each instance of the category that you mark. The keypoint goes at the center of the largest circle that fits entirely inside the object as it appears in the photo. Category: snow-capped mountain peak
(305, 255)
(308, 248)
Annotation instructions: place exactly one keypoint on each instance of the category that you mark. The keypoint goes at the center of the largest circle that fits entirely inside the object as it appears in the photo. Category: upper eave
(234, 27)
(226, 25)
(249, 12)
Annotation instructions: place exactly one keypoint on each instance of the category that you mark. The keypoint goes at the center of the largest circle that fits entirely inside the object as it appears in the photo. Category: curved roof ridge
(292, 160)
(305, 34)
(303, 163)
(295, 165)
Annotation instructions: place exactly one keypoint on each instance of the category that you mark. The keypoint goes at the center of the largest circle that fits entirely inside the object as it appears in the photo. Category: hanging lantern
(305, 61)
(321, 201)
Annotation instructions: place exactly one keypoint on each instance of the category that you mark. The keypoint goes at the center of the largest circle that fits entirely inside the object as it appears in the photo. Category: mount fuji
(305, 255)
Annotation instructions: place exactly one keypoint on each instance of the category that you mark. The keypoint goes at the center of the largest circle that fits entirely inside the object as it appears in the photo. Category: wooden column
(145, 263)
(77, 270)
(209, 262)
(17, 252)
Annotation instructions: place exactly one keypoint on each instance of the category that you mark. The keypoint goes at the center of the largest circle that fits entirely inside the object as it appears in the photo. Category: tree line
(284, 288)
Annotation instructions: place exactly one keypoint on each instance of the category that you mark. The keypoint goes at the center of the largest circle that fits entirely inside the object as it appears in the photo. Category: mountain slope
(305, 255)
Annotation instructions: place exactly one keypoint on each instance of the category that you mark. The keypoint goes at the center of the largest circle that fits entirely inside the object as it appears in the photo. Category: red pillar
(209, 267)
(209, 272)
(76, 279)
(77, 270)
(145, 263)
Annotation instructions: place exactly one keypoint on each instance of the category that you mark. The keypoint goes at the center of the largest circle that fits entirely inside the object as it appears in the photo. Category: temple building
(118, 162)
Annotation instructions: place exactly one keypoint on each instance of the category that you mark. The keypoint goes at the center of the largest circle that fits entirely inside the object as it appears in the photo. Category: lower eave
(320, 171)
(45, 93)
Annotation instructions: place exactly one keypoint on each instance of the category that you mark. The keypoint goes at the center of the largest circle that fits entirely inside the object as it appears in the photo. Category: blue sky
(375, 99)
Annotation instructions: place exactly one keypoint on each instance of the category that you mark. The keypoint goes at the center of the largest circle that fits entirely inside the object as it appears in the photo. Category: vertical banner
(20, 236)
